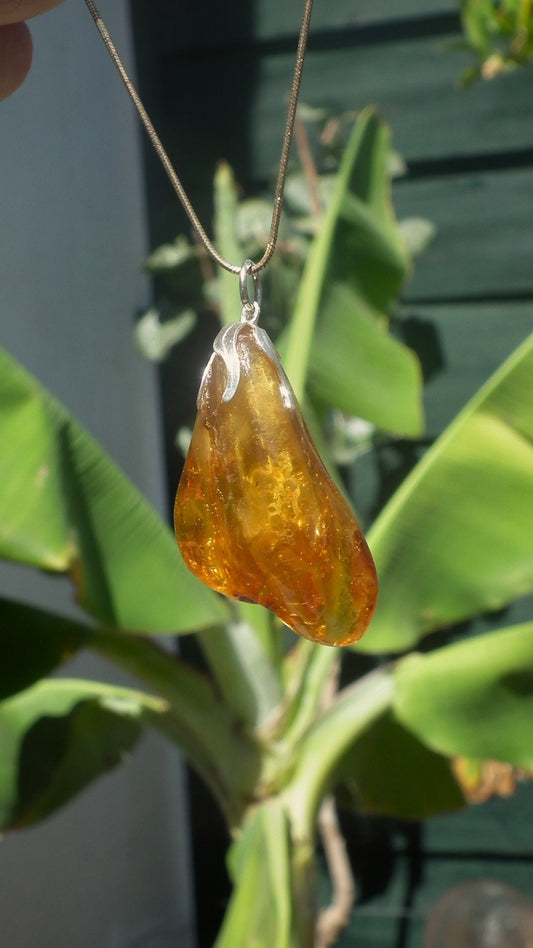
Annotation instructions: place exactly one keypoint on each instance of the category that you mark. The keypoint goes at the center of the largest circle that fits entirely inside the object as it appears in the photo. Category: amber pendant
(257, 516)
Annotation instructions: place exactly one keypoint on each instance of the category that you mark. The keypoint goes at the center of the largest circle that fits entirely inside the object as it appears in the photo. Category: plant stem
(308, 165)
(300, 333)
(246, 678)
(304, 890)
(307, 702)
(333, 920)
(327, 740)
(202, 726)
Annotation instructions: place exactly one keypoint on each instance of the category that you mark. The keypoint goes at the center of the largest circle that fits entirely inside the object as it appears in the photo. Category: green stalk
(267, 628)
(300, 333)
(325, 743)
(304, 894)
(306, 703)
(245, 676)
(197, 721)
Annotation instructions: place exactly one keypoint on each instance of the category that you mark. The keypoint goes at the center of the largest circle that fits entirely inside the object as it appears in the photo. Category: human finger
(14, 11)
(15, 57)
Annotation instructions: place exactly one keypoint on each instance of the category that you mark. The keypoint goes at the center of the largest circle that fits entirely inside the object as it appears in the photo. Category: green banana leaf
(388, 771)
(188, 710)
(456, 538)
(33, 643)
(57, 736)
(337, 339)
(357, 366)
(64, 506)
(259, 912)
(474, 698)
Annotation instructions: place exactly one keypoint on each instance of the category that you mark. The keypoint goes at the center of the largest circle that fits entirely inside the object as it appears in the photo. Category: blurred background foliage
(499, 35)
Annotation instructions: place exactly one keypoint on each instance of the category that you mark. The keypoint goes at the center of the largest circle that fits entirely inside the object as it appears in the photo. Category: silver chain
(253, 268)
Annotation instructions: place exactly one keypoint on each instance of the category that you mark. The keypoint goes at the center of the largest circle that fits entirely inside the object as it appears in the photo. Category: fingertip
(15, 57)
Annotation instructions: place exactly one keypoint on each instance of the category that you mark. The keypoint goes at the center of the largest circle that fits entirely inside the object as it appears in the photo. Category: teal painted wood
(485, 829)
(414, 85)
(482, 247)
(461, 346)
(233, 107)
(482, 842)
(391, 923)
(198, 25)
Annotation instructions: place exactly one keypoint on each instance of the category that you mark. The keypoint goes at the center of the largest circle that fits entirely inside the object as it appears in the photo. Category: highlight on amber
(257, 516)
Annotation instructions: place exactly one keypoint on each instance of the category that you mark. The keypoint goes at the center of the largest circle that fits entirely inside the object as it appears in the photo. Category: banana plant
(265, 724)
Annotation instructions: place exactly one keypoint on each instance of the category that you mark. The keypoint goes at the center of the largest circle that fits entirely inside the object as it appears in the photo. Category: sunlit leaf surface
(259, 913)
(65, 506)
(456, 538)
(474, 698)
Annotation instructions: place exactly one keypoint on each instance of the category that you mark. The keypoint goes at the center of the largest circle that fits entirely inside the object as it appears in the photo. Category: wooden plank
(398, 917)
(460, 346)
(489, 841)
(414, 85)
(484, 237)
(500, 826)
(193, 25)
(223, 105)
(442, 875)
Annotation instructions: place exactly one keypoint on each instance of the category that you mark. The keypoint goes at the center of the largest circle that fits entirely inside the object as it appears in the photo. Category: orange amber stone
(257, 516)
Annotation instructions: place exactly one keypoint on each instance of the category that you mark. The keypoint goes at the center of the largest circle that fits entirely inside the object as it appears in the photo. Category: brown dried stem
(308, 165)
(333, 920)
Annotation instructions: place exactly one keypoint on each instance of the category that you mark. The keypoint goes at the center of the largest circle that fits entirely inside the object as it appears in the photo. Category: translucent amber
(257, 516)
